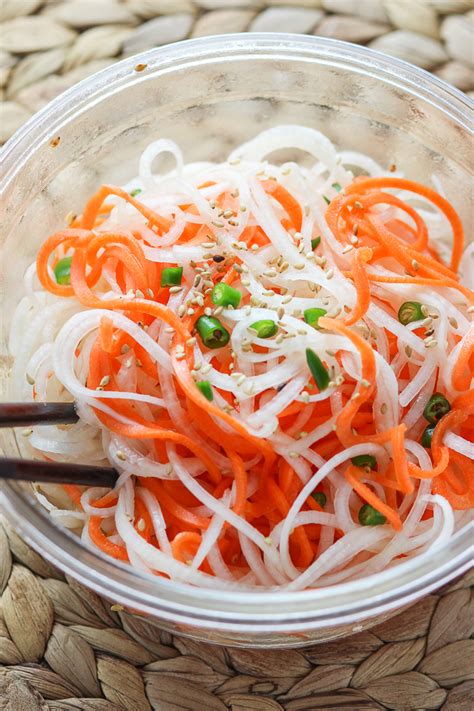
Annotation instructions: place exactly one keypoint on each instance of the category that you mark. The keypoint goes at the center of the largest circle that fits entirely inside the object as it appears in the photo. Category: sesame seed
(255, 247)
(431, 344)
(279, 339)
(330, 273)
(452, 321)
(270, 273)
(105, 381)
(128, 363)
(181, 310)
(286, 299)
(191, 341)
(241, 379)
(358, 205)
(283, 267)
(470, 309)
(299, 266)
(409, 351)
(175, 289)
(124, 349)
(141, 524)
(180, 356)
(206, 368)
(139, 294)
(347, 249)
(268, 541)
(138, 363)
(293, 454)
(365, 383)
(354, 238)
(169, 329)
(384, 408)
(120, 455)
(305, 396)
(281, 312)
(70, 217)
(245, 282)
(218, 311)
(190, 312)
(415, 264)
(27, 433)
(117, 607)
(301, 331)
(217, 223)
(29, 379)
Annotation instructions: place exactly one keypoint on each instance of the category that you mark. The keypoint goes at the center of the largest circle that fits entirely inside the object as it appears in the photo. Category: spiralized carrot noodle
(258, 350)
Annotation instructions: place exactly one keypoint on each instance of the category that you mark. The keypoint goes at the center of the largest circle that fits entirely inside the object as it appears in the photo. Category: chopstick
(56, 472)
(21, 414)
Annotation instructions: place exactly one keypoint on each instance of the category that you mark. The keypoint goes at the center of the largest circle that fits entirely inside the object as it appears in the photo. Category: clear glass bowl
(209, 95)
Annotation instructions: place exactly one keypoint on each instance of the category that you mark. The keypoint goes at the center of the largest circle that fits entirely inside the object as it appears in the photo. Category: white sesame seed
(190, 312)
(181, 310)
(431, 344)
(191, 341)
(293, 454)
(305, 396)
(175, 289)
(120, 455)
(452, 322)
(383, 408)
(365, 383)
(29, 379)
(206, 368)
(299, 266)
(354, 240)
(281, 312)
(330, 273)
(105, 381)
(141, 524)
(139, 294)
(180, 356)
(27, 433)
(270, 273)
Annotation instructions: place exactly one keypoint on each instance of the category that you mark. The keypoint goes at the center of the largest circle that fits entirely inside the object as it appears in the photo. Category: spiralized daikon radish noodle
(276, 359)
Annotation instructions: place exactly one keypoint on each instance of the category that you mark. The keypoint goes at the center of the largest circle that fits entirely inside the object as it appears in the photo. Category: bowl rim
(181, 603)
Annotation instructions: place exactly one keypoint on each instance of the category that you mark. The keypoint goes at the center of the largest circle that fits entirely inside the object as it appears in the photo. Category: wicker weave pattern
(46, 46)
(64, 648)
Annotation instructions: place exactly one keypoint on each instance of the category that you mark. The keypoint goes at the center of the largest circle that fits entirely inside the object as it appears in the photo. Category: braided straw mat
(62, 647)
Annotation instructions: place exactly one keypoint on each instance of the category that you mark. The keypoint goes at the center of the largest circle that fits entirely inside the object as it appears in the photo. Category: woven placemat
(63, 648)
(46, 46)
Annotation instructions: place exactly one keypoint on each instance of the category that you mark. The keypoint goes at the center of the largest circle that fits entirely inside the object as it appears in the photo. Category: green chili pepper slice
(368, 516)
(364, 460)
(171, 276)
(436, 407)
(409, 312)
(427, 436)
(320, 498)
(225, 295)
(62, 270)
(212, 332)
(136, 192)
(312, 316)
(265, 328)
(318, 371)
(206, 389)
(315, 242)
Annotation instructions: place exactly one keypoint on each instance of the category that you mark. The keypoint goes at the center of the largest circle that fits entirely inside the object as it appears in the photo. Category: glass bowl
(210, 95)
